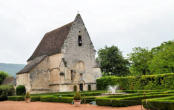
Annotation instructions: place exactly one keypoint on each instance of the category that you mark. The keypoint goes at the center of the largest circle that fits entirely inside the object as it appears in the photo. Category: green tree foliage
(158, 60)
(112, 62)
(140, 59)
(3, 75)
(163, 58)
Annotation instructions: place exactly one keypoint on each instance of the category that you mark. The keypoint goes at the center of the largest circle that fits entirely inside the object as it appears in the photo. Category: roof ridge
(59, 27)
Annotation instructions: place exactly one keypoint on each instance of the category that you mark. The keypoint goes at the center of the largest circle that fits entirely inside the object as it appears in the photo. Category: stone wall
(45, 74)
(73, 53)
(23, 79)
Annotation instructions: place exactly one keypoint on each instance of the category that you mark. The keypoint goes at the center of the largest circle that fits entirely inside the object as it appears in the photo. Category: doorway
(81, 87)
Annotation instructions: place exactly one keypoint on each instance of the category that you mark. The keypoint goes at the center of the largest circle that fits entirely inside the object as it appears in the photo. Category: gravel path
(20, 105)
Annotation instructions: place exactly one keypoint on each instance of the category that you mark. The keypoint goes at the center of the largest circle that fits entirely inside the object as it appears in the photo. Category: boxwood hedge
(16, 98)
(126, 100)
(56, 99)
(165, 103)
(87, 99)
(144, 82)
(82, 94)
(22, 98)
(35, 98)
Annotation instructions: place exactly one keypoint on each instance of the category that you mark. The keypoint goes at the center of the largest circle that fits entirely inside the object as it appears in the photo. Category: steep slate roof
(52, 42)
(49, 45)
(32, 64)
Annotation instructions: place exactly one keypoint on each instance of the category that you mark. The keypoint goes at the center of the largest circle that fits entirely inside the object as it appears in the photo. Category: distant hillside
(11, 69)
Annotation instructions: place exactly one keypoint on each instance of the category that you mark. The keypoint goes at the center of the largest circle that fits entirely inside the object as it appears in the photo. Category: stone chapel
(64, 58)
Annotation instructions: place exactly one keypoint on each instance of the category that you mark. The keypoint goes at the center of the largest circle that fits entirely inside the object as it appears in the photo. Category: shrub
(77, 96)
(6, 90)
(144, 82)
(20, 90)
(16, 98)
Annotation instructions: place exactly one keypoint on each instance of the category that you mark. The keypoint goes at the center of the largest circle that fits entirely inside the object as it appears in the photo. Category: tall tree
(163, 58)
(3, 75)
(140, 59)
(112, 62)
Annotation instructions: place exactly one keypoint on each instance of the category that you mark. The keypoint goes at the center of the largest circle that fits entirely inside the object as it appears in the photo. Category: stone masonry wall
(73, 53)
(23, 79)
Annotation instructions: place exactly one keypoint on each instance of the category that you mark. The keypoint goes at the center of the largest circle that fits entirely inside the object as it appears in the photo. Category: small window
(80, 40)
(89, 87)
(71, 74)
(62, 73)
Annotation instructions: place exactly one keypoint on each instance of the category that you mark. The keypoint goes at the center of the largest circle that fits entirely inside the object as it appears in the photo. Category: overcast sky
(124, 23)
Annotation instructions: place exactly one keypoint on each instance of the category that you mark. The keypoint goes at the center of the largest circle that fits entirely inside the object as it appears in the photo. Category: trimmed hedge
(166, 103)
(48, 99)
(51, 98)
(104, 101)
(16, 98)
(126, 100)
(56, 99)
(22, 98)
(6, 90)
(66, 99)
(35, 98)
(144, 82)
(20, 90)
(81, 93)
(87, 99)
(141, 91)
(63, 99)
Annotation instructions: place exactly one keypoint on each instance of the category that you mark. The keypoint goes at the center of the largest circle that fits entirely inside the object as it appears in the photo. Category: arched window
(80, 40)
